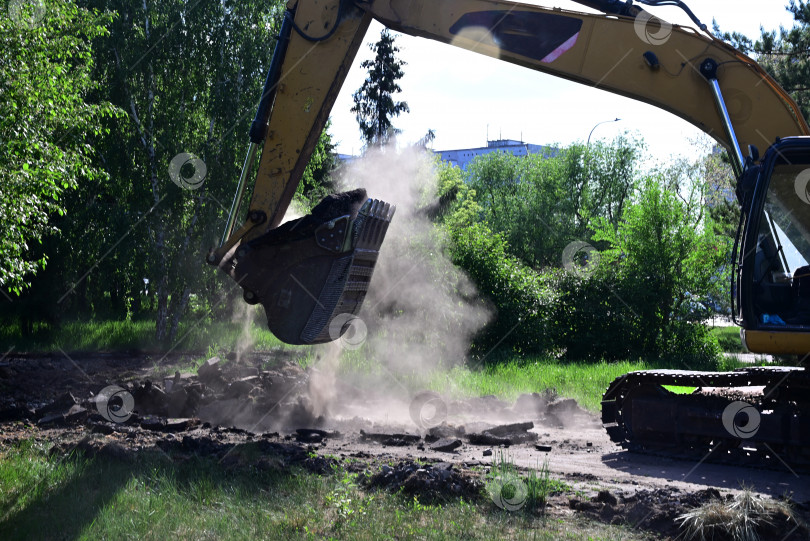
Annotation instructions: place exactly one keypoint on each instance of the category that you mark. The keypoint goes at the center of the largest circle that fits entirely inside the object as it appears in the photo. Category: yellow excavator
(312, 274)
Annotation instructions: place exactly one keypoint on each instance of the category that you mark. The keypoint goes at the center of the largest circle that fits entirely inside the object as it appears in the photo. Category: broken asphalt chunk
(446, 445)
(394, 440)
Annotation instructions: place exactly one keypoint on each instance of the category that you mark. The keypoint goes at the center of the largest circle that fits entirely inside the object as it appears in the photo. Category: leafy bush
(597, 318)
(518, 293)
(589, 320)
(658, 256)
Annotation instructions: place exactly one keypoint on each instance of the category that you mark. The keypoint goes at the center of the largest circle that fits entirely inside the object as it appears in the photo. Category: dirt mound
(657, 510)
(650, 510)
(429, 482)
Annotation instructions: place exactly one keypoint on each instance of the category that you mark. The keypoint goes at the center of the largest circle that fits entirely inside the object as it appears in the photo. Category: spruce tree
(374, 104)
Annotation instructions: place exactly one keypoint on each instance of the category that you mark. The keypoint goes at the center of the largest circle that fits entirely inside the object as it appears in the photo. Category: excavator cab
(773, 250)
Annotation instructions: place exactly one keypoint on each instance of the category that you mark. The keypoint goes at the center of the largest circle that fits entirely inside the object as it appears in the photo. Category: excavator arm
(311, 275)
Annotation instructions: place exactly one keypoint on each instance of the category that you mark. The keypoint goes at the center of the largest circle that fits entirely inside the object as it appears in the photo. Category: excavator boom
(624, 50)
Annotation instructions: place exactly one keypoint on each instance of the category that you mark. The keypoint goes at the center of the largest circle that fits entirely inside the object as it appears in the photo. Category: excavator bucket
(308, 272)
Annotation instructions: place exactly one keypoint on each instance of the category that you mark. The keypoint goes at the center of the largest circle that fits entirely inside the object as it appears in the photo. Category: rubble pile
(226, 393)
(220, 393)
(649, 509)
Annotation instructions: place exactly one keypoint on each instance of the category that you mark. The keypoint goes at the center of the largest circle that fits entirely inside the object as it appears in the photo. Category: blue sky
(464, 96)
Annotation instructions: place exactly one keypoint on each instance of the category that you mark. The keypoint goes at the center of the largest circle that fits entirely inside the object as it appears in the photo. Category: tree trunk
(177, 312)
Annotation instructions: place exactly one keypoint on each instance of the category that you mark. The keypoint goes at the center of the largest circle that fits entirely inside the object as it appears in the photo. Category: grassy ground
(43, 497)
(729, 339)
(89, 336)
(582, 381)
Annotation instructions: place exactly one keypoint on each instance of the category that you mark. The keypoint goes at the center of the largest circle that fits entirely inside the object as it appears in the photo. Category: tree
(133, 243)
(540, 203)
(374, 104)
(662, 257)
(785, 54)
(317, 181)
(47, 124)
(187, 74)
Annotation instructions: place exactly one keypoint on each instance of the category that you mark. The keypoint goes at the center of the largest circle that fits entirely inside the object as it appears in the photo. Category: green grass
(507, 379)
(150, 497)
(679, 389)
(135, 335)
(585, 382)
(513, 490)
(729, 339)
(511, 377)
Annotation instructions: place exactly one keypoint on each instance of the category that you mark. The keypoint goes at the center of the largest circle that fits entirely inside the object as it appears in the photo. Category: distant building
(347, 158)
(462, 157)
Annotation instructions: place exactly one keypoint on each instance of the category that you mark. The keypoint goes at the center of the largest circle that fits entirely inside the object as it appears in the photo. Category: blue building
(462, 157)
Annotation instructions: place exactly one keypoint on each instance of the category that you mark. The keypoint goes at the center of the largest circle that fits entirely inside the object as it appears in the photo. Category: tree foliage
(48, 124)
(784, 53)
(188, 75)
(134, 243)
(317, 181)
(664, 257)
(374, 104)
(639, 297)
(540, 203)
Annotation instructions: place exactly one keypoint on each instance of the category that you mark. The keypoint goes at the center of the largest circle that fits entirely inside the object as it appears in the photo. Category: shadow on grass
(119, 488)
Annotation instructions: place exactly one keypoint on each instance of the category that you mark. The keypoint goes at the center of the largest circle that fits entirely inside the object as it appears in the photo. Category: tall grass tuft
(742, 518)
(511, 491)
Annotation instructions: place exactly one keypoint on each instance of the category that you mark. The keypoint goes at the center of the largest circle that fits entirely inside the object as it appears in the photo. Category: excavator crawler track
(754, 416)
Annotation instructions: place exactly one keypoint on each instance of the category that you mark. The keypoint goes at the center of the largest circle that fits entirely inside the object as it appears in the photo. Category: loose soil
(266, 411)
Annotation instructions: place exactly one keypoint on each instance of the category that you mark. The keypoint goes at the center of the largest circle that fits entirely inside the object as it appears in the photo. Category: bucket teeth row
(347, 297)
(376, 216)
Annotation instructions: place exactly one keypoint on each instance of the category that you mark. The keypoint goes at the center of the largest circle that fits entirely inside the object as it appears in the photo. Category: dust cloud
(244, 316)
(421, 311)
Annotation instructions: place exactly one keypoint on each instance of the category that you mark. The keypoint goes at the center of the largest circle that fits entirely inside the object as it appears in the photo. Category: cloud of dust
(243, 315)
(321, 388)
(421, 311)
